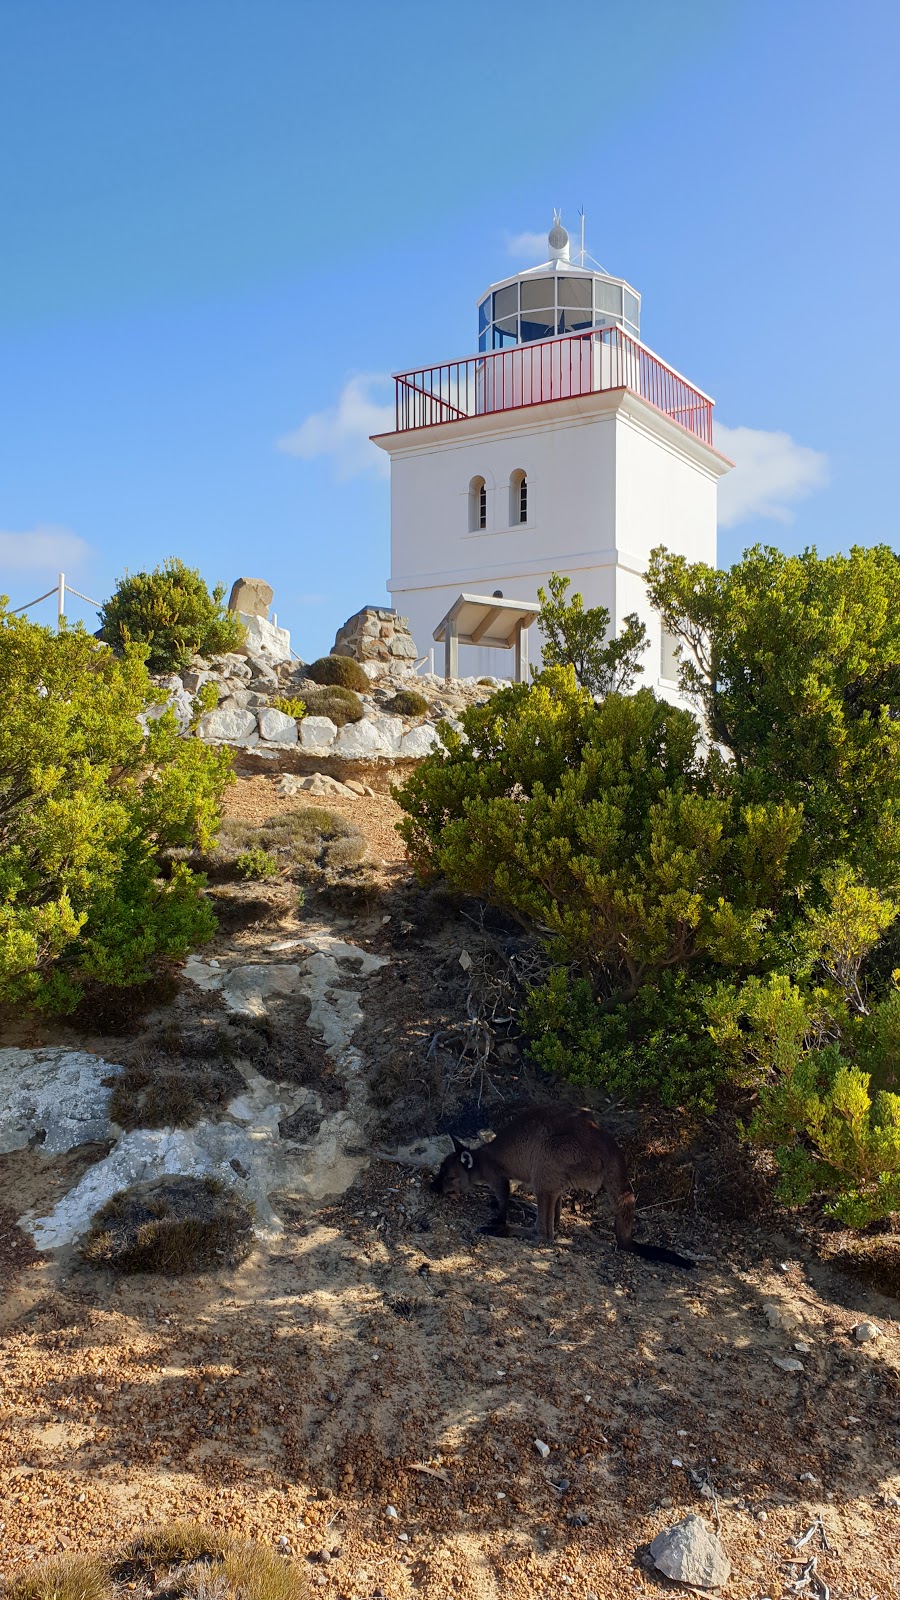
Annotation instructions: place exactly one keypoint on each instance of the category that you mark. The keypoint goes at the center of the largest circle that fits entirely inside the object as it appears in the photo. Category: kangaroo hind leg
(547, 1214)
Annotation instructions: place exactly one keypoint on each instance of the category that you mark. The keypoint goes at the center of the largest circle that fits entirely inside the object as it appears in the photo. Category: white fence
(61, 589)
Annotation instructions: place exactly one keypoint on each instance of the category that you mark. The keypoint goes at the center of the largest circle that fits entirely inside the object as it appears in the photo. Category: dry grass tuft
(153, 1096)
(311, 840)
(171, 1226)
(64, 1578)
(192, 1560)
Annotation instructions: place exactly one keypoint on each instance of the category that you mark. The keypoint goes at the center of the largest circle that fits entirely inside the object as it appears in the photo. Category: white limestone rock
(263, 638)
(319, 784)
(244, 989)
(390, 730)
(237, 726)
(277, 726)
(54, 1098)
(317, 735)
(361, 739)
(691, 1553)
(419, 741)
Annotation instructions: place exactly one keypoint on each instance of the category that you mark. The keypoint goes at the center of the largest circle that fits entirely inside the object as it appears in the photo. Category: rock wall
(376, 634)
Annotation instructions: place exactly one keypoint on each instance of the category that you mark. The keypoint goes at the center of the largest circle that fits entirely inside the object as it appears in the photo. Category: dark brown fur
(552, 1150)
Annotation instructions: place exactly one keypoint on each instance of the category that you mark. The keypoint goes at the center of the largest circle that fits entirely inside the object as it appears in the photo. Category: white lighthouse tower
(564, 445)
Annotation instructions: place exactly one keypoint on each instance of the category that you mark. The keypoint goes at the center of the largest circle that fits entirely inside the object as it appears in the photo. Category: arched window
(477, 505)
(518, 498)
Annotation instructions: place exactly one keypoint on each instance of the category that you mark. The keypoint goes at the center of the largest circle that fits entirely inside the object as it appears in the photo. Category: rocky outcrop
(376, 634)
(263, 638)
(252, 597)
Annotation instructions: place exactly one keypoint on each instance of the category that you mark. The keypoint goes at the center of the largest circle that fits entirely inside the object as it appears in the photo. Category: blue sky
(224, 218)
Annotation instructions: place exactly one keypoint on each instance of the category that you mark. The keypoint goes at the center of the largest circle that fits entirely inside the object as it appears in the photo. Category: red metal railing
(549, 369)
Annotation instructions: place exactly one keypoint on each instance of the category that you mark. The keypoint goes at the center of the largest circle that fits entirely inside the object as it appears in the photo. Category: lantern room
(556, 298)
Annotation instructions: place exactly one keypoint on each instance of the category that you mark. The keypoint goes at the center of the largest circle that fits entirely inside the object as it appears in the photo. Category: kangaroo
(553, 1150)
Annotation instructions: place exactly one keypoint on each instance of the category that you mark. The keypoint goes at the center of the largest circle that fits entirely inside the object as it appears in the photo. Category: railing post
(60, 601)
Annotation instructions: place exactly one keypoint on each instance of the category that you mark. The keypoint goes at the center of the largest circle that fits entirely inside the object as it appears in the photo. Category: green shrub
(407, 703)
(88, 802)
(291, 707)
(341, 705)
(173, 614)
(341, 670)
(578, 639)
(68, 1577)
(256, 863)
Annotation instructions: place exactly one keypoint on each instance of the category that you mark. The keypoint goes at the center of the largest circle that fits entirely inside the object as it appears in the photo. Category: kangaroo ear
(458, 1145)
(465, 1157)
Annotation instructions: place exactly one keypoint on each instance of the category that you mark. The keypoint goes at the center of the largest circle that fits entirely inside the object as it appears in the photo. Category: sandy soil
(384, 1354)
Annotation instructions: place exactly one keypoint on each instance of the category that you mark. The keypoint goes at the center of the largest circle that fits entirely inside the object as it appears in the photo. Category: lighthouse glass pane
(632, 307)
(484, 314)
(571, 321)
(538, 325)
(536, 293)
(575, 292)
(506, 302)
(608, 297)
(505, 333)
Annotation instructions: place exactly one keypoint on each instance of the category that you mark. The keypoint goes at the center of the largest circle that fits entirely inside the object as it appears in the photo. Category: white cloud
(46, 548)
(770, 472)
(528, 246)
(342, 431)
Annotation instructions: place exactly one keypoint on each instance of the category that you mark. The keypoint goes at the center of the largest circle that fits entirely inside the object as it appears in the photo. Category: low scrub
(308, 842)
(69, 1577)
(191, 1559)
(291, 706)
(172, 614)
(340, 670)
(90, 801)
(256, 863)
(407, 703)
(159, 1094)
(171, 1226)
(340, 704)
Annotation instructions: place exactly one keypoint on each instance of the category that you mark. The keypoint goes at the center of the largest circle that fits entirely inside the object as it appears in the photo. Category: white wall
(608, 479)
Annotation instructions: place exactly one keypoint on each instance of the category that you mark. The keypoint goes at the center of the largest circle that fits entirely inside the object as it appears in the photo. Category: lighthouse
(563, 445)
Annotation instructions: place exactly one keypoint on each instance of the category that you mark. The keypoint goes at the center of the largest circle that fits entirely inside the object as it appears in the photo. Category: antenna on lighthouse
(581, 214)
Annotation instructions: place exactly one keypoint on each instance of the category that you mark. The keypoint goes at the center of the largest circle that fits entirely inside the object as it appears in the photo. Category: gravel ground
(383, 1353)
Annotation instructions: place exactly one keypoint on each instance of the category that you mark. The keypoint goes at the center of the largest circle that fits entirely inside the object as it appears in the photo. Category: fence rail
(550, 369)
(60, 590)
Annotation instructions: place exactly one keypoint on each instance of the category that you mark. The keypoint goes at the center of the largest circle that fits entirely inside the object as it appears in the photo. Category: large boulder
(419, 741)
(362, 739)
(264, 639)
(317, 735)
(376, 634)
(277, 726)
(233, 727)
(251, 597)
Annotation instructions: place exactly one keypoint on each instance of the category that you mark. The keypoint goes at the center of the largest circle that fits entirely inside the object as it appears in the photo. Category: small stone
(542, 1449)
(403, 1537)
(355, 785)
(392, 1512)
(866, 1331)
(677, 1461)
(284, 1542)
(804, 1349)
(773, 1314)
(465, 961)
(691, 1553)
(788, 1363)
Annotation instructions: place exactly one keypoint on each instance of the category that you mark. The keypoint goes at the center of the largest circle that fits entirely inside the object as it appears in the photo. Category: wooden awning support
(487, 620)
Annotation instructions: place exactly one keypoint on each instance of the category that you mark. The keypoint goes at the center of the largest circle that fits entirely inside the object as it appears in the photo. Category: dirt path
(382, 1354)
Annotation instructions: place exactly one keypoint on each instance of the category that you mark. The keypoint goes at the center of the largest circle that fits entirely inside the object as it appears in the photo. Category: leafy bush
(341, 705)
(256, 863)
(88, 801)
(407, 703)
(341, 670)
(292, 707)
(173, 614)
(577, 638)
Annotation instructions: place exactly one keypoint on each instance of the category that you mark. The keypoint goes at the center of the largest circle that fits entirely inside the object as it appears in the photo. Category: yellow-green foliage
(291, 707)
(256, 863)
(172, 613)
(88, 800)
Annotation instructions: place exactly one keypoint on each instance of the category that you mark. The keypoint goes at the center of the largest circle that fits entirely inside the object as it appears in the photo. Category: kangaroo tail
(624, 1219)
(657, 1252)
